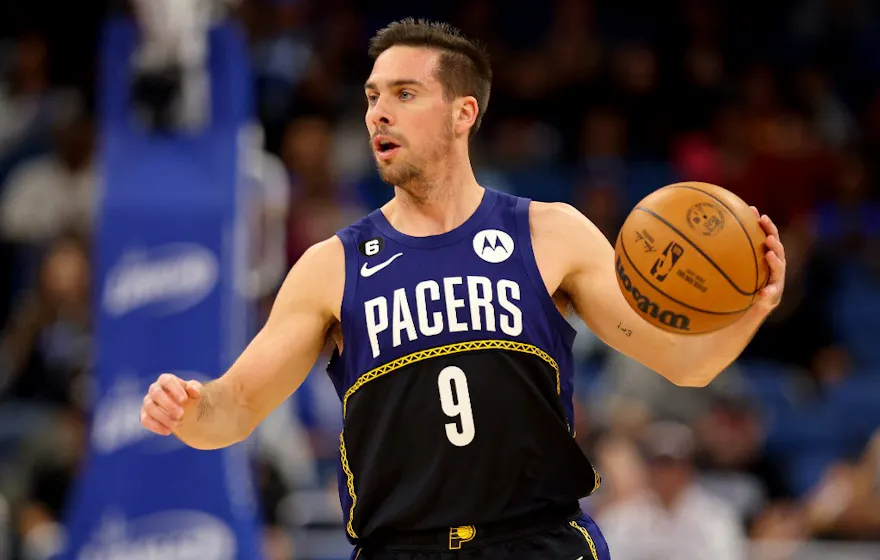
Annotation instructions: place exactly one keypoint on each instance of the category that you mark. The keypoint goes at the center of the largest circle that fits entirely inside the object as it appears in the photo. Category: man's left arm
(587, 277)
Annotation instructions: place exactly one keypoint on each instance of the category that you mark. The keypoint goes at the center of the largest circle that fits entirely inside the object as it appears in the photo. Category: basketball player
(453, 360)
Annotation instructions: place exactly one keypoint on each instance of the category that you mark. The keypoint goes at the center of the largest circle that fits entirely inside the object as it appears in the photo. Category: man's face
(408, 117)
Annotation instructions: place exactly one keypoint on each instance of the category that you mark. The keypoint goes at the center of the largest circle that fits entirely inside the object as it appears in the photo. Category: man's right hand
(275, 363)
(169, 400)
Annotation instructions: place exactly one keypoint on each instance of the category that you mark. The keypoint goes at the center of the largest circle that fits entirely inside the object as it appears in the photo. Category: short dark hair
(464, 67)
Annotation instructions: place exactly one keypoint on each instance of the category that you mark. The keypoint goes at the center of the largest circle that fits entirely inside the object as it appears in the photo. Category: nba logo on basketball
(664, 264)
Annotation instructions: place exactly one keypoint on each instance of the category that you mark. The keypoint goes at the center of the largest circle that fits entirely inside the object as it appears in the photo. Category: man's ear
(465, 114)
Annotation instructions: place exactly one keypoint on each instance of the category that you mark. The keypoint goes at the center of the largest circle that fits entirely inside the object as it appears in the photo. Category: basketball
(690, 258)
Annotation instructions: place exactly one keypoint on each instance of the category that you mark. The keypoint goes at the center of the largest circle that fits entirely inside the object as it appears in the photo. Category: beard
(410, 175)
(400, 174)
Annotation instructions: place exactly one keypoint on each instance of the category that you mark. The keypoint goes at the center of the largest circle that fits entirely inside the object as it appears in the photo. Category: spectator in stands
(22, 96)
(674, 517)
(846, 504)
(28, 103)
(702, 83)
(625, 382)
(619, 461)
(283, 50)
(801, 332)
(45, 361)
(322, 202)
(848, 224)
(46, 349)
(871, 141)
(634, 89)
(829, 116)
(790, 169)
(602, 157)
(732, 462)
(44, 472)
(49, 195)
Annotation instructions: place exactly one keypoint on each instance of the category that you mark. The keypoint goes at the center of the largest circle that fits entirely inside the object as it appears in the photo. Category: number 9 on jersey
(456, 402)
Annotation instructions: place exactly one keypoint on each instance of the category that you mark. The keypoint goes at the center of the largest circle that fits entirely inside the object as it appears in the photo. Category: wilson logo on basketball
(648, 307)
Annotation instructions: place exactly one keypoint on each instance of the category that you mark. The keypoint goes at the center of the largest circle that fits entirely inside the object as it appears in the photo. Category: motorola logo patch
(493, 245)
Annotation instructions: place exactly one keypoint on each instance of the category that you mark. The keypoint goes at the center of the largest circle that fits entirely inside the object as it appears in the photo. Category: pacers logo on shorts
(459, 535)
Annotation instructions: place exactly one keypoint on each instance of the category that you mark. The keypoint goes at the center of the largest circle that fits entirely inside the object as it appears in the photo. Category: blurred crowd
(595, 103)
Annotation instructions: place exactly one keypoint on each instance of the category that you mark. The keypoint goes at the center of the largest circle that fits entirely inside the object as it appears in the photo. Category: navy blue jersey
(455, 377)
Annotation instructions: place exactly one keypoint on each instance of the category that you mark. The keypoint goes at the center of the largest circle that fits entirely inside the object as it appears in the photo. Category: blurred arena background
(595, 103)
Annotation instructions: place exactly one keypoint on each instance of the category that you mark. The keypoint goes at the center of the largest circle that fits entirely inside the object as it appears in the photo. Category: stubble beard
(410, 177)
(400, 175)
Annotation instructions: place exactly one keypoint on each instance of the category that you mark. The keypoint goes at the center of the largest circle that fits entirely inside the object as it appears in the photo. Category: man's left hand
(771, 294)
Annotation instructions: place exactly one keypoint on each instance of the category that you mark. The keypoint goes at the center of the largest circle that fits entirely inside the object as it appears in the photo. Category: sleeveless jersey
(455, 377)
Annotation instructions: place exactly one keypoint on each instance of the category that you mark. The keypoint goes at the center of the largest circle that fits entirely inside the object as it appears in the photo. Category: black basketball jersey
(455, 377)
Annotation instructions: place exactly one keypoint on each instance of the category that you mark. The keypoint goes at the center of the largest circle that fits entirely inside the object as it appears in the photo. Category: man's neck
(443, 206)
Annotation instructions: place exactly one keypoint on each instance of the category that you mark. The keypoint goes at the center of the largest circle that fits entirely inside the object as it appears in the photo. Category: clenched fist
(167, 402)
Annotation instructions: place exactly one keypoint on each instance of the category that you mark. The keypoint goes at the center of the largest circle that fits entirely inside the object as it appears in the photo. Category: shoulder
(323, 263)
(325, 255)
(563, 230)
(317, 279)
(558, 218)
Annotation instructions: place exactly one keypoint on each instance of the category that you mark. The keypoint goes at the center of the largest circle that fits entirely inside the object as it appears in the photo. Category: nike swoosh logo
(366, 271)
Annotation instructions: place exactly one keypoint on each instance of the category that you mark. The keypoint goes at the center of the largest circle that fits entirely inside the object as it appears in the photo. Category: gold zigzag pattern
(587, 536)
(445, 351)
(343, 455)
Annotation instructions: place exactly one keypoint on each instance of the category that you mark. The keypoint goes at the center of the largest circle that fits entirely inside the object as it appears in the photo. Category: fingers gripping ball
(690, 258)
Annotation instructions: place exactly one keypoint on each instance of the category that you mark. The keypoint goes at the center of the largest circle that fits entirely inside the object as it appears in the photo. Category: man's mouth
(385, 146)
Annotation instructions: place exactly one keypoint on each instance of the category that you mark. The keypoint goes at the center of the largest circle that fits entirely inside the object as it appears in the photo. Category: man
(453, 358)
(673, 516)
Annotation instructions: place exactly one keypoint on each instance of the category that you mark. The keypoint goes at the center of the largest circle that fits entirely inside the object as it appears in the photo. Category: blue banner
(170, 265)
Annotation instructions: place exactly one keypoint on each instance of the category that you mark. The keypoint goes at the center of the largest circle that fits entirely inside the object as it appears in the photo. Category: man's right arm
(275, 363)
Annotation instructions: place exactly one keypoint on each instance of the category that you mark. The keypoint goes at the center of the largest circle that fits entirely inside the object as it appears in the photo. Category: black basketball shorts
(576, 538)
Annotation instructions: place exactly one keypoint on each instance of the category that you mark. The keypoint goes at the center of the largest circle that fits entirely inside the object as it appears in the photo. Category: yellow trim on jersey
(588, 538)
(349, 476)
(418, 357)
(445, 351)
